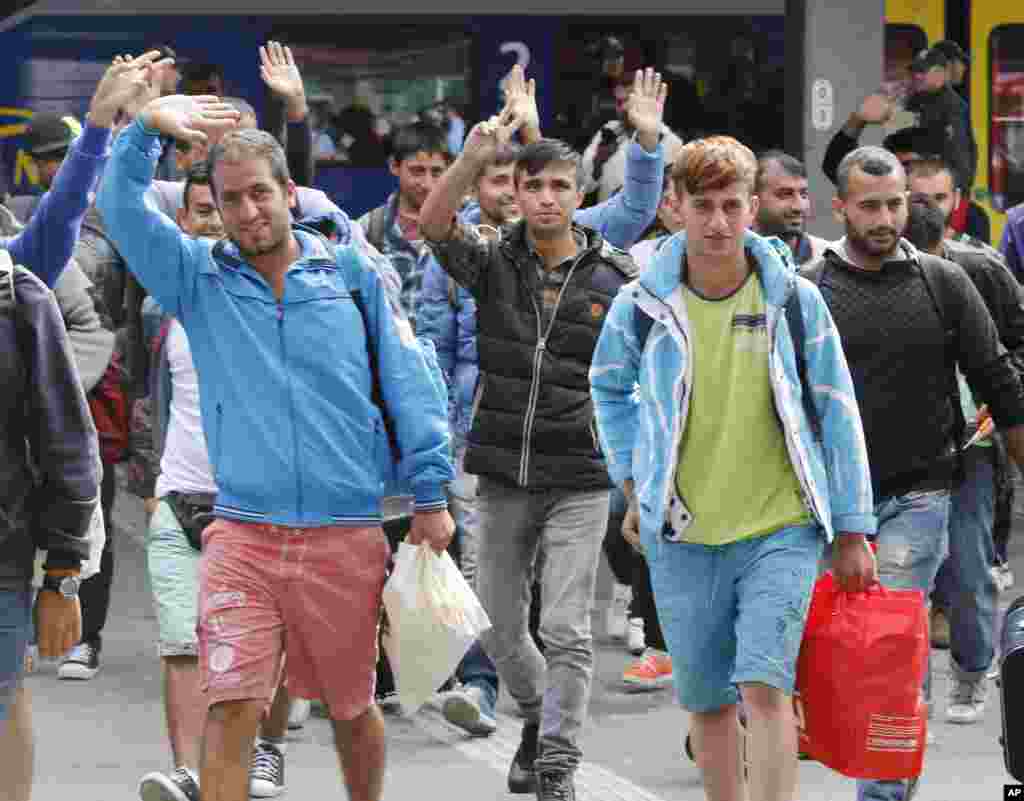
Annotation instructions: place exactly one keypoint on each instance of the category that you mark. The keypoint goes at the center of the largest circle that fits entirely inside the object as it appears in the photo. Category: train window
(1006, 110)
(725, 74)
(902, 43)
(359, 93)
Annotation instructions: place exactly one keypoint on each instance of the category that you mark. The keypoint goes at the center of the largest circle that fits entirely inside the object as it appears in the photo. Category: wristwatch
(65, 585)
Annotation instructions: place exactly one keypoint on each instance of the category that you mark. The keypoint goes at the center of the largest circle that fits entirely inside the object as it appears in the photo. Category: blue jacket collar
(772, 256)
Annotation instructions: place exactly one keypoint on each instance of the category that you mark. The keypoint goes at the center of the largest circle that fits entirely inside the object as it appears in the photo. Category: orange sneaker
(652, 671)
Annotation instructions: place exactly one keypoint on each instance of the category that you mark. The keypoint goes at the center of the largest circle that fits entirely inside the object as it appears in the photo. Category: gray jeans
(554, 688)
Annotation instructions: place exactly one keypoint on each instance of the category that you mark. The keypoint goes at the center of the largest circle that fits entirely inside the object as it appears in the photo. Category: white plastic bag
(433, 618)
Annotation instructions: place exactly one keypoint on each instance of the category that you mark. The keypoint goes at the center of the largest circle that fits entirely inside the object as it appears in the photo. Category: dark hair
(420, 137)
(536, 156)
(872, 160)
(507, 154)
(248, 143)
(198, 175)
(926, 224)
(201, 71)
(913, 139)
(930, 165)
(790, 165)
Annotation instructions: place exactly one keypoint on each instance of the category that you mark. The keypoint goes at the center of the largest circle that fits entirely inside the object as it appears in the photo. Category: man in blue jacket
(718, 420)
(282, 344)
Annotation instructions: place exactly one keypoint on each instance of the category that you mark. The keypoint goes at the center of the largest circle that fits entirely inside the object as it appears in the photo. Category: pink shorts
(315, 592)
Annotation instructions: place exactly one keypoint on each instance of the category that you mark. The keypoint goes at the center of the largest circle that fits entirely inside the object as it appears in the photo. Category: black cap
(952, 51)
(927, 60)
(49, 132)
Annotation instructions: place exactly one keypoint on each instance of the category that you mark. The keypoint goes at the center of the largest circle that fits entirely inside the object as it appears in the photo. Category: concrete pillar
(835, 58)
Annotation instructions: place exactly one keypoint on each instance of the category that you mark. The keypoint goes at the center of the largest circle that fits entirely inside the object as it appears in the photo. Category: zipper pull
(280, 313)
(541, 344)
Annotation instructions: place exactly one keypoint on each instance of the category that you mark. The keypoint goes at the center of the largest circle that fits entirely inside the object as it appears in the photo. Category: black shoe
(555, 785)
(521, 777)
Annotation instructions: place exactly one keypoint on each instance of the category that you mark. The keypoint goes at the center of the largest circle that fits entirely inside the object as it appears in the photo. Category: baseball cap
(952, 51)
(927, 60)
(49, 132)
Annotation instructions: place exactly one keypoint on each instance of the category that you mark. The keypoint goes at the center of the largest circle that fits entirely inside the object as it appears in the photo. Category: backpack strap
(936, 284)
(798, 333)
(377, 226)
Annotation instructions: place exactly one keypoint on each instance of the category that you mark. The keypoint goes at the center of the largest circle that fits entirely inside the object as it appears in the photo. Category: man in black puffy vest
(542, 289)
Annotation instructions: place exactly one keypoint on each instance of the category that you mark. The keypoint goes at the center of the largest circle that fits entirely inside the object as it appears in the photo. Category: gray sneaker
(967, 698)
(182, 785)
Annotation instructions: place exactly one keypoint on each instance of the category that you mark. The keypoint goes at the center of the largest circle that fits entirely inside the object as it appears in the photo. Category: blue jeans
(965, 588)
(15, 630)
(913, 541)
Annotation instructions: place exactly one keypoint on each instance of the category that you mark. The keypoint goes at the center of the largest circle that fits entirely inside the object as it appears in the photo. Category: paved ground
(96, 739)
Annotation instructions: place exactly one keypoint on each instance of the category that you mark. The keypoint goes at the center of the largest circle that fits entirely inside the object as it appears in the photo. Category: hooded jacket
(293, 434)
(48, 500)
(640, 429)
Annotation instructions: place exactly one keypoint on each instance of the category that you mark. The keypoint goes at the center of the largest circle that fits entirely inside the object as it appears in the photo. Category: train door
(997, 106)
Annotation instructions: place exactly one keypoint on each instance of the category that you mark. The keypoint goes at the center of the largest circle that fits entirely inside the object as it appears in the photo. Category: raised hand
(189, 117)
(127, 84)
(521, 100)
(876, 109)
(282, 77)
(488, 137)
(645, 107)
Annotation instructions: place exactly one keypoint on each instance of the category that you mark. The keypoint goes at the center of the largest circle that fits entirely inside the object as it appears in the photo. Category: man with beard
(781, 186)
(296, 549)
(933, 177)
(908, 321)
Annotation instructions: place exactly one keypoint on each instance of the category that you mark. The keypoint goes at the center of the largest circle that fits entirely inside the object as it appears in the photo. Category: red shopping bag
(859, 677)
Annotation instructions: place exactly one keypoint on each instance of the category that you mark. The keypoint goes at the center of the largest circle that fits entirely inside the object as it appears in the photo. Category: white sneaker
(266, 773)
(967, 700)
(299, 710)
(82, 662)
(635, 642)
(615, 616)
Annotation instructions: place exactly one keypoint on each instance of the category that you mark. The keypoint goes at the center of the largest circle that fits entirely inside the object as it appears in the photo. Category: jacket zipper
(220, 434)
(684, 403)
(291, 406)
(538, 358)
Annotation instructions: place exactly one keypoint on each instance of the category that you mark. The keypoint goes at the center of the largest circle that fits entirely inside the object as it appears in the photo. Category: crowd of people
(647, 354)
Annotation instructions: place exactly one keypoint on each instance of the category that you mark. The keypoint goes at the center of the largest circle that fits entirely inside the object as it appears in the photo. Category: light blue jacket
(640, 429)
(293, 435)
(620, 219)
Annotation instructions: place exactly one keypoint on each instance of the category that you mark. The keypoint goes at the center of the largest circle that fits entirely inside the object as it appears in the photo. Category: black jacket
(533, 420)
(43, 411)
(1003, 296)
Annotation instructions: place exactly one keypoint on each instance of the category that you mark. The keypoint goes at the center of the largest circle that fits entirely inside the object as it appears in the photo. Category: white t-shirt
(613, 176)
(185, 465)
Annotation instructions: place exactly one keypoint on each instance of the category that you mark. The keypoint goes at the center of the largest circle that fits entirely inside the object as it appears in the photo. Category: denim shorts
(734, 614)
(174, 576)
(15, 631)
